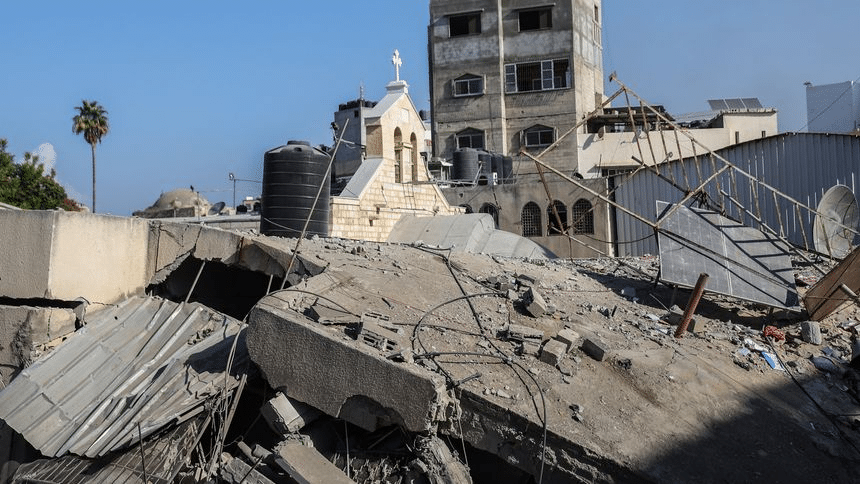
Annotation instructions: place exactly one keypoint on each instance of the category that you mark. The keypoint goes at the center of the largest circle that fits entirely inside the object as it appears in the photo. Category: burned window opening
(465, 24)
(535, 19)
(492, 210)
(553, 227)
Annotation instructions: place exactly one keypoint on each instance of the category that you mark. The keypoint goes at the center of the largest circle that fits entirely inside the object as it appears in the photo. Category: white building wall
(833, 108)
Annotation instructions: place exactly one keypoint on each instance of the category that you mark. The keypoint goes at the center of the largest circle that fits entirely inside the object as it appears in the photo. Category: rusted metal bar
(194, 284)
(691, 305)
(799, 218)
(647, 131)
(778, 214)
(681, 158)
(633, 127)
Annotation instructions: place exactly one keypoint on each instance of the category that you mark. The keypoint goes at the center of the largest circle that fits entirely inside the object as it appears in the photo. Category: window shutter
(546, 74)
(510, 78)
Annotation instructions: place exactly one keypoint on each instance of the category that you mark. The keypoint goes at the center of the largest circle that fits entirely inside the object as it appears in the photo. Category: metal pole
(691, 304)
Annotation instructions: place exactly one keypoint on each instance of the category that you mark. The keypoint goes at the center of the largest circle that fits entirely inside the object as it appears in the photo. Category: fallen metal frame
(697, 193)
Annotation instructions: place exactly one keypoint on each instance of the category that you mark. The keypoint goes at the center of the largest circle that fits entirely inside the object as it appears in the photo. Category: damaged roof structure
(141, 350)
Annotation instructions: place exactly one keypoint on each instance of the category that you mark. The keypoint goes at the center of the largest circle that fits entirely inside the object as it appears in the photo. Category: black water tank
(486, 160)
(465, 164)
(507, 174)
(292, 175)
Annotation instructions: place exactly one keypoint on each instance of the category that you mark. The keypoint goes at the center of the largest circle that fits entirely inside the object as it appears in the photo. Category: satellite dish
(216, 209)
(837, 213)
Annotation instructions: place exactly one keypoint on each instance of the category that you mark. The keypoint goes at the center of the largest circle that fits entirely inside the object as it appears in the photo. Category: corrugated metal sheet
(801, 165)
(147, 361)
(162, 459)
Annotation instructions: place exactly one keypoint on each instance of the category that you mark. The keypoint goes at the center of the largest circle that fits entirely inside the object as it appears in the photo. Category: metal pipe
(691, 304)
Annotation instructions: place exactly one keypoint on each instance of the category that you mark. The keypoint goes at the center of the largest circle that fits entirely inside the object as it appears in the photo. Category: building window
(468, 85)
(470, 138)
(538, 136)
(492, 210)
(553, 227)
(531, 220)
(467, 208)
(398, 156)
(465, 24)
(536, 19)
(537, 76)
(582, 217)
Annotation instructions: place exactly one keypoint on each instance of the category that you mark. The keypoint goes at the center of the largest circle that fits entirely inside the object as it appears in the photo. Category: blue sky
(196, 90)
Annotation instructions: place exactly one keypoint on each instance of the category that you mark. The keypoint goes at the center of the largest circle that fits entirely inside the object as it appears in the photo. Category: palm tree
(92, 121)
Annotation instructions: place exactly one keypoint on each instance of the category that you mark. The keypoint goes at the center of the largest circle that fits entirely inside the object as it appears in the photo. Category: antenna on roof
(361, 91)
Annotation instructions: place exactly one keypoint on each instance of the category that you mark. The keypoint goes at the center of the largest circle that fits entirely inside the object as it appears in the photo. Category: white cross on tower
(397, 61)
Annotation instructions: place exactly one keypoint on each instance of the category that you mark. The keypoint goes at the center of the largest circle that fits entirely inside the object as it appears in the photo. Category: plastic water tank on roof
(292, 175)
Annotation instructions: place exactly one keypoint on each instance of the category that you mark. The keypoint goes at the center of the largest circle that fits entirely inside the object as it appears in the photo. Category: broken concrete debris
(367, 376)
(553, 352)
(286, 416)
(535, 304)
(810, 332)
(595, 348)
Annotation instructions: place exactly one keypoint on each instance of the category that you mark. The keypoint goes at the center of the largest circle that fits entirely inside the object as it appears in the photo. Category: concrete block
(674, 316)
(535, 304)
(519, 332)
(553, 352)
(568, 336)
(286, 416)
(810, 331)
(305, 465)
(530, 348)
(342, 377)
(595, 348)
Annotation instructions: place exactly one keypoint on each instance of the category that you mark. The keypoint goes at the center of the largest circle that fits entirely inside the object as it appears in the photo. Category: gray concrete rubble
(305, 465)
(381, 362)
(286, 416)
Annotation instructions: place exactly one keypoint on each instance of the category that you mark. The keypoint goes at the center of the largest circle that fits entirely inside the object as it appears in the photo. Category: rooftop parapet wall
(105, 259)
(63, 255)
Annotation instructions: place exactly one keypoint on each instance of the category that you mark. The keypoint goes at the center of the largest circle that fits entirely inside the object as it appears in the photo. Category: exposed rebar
(691, 304)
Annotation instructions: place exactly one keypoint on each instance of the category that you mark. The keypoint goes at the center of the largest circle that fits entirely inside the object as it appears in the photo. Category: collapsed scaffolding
(718, 186)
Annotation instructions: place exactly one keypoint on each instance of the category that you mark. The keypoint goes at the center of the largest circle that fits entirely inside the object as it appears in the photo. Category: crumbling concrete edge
(519, 441)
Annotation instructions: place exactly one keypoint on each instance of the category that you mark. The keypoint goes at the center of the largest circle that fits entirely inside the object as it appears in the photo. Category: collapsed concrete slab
(333, 373)
(24, 329)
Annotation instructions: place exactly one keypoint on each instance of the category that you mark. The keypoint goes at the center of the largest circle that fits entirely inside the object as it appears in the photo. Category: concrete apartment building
(513, 74)
(517, 75)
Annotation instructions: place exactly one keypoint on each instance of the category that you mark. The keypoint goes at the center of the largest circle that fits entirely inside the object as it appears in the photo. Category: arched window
(538, 136)
(492, 210)
(468, 208)
(553, 227)
(398, 156)
(413, 141)
(531, 220)
(582, 217)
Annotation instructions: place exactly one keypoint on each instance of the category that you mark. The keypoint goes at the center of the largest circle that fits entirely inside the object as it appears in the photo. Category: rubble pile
(405, 363)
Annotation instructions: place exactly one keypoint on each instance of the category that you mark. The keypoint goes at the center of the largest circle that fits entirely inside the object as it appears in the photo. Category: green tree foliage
(26, 185)
(92, 122)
